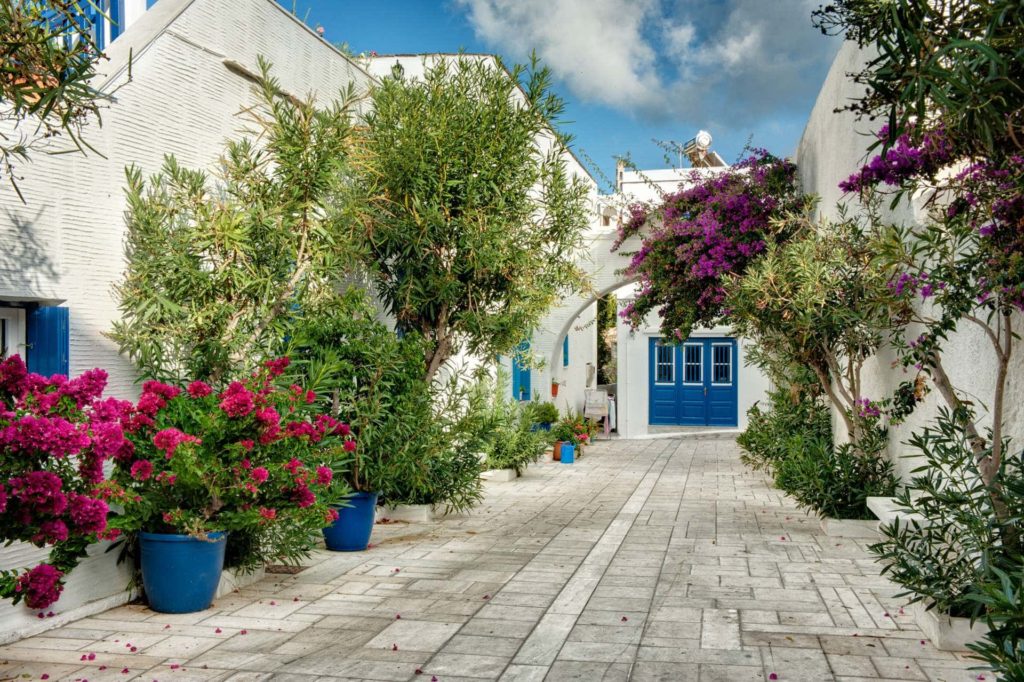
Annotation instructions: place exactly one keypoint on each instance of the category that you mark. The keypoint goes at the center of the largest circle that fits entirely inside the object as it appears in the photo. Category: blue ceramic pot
(351, 532)
(179, 572)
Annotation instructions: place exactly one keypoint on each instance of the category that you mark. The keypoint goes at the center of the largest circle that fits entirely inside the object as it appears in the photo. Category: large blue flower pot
(181, 573)
(351, 532)
(568, 453)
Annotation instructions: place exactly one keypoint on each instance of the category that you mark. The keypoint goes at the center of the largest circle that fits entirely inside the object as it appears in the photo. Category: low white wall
(834, 146)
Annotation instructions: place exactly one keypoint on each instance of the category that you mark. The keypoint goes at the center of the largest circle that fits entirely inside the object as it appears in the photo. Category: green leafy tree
(472, 221)
(955, 64)
(818, 301)
(47, 64)
(216, 270)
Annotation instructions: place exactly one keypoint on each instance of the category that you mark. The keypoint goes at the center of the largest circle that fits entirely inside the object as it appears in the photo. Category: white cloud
(728, 62)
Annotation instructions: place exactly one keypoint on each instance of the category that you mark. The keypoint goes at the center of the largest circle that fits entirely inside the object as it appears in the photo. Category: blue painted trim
(565, 351)
(520, 374)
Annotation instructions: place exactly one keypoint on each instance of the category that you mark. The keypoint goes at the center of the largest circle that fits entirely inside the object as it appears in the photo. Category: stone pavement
(645, 560)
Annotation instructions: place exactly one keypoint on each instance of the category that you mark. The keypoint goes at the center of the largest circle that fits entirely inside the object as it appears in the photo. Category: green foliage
(818, 301)
(45, 72)
(471, 228)
(216, 271)
(505, 426)
(607, 322)
(542, 412)
(792, 440)
(957, 63)
(1002, 598)
(794, 410)
(834, 481)
(374, 377)
(412, 432)
(956, 525)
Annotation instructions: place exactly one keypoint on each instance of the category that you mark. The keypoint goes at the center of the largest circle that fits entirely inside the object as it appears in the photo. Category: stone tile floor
(645, 560)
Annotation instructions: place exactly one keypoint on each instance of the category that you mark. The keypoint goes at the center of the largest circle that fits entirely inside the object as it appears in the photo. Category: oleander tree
(472, 221)
(820, 301)
(49, 59)
(219, 269)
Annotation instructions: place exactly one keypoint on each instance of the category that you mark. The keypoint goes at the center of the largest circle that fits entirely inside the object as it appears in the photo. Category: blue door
(520, 374)
(693, 383)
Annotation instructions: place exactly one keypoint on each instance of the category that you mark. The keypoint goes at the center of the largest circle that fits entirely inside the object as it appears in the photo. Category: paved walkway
(646, 560)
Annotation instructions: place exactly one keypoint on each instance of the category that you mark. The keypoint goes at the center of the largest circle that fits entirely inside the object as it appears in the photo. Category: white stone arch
(603, 266)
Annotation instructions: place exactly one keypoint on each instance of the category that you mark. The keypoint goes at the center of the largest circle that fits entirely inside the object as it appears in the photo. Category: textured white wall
(833, 146)
(66, 241)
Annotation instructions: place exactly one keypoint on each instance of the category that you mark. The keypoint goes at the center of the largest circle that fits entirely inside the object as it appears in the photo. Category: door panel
(663, 375)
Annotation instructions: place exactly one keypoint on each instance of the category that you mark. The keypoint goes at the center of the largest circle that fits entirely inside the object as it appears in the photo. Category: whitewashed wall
(833, 146)
(65, 243)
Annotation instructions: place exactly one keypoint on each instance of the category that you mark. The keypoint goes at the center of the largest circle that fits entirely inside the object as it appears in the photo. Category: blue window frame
(721, 364)
(565, 351)
(693, 363)
(664, 364)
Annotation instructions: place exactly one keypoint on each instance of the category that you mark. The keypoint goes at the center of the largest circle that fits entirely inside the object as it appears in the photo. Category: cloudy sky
(631, 71)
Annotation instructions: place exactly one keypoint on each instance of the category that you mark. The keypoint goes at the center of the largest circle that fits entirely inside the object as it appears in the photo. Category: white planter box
(499, 475)
(232, 579)
(411, 513)
(948, 633)
(849, 528)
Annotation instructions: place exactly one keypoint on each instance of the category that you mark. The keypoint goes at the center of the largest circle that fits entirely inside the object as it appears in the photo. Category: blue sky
(631, 71)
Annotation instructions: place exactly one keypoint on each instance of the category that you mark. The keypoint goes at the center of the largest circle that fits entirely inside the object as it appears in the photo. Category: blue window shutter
(565, 351)
(520, 374)
(46, 334)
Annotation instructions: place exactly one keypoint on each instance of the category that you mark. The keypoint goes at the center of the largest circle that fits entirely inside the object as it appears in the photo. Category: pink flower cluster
(56, 433)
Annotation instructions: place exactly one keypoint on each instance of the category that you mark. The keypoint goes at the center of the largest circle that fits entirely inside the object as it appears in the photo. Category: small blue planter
(179, 572)
(568, 453)
(351, 532)
(540, 426)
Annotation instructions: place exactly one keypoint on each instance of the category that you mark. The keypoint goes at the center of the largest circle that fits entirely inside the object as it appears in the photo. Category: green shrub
(1002, 598)
(833, 481)
(414, 436)
(791, 413)
(961, 528)
(542, 413)
(516, 449)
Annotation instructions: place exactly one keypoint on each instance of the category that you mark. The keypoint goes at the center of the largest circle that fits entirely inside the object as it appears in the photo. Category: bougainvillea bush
(254, 459)
(55, 435)
(713, 227)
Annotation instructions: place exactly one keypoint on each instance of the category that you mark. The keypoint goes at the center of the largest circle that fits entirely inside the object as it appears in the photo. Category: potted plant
(542, 415)
(248, 471)
(563, 434)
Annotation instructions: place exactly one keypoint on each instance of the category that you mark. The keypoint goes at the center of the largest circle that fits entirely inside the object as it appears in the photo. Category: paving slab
(661, 559)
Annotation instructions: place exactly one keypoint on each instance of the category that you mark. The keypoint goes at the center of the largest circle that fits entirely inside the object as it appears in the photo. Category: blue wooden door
(693, 383)
(520, 374)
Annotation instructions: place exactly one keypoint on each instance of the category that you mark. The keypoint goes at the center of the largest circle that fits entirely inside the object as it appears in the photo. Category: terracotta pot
(554, 389)
(556, 451)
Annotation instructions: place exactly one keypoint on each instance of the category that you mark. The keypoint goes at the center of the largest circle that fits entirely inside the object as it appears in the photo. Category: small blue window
(664, 364)
(565, 351)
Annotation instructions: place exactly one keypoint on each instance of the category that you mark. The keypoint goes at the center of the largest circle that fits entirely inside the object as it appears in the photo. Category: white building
(193, 68)
(701, 383)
